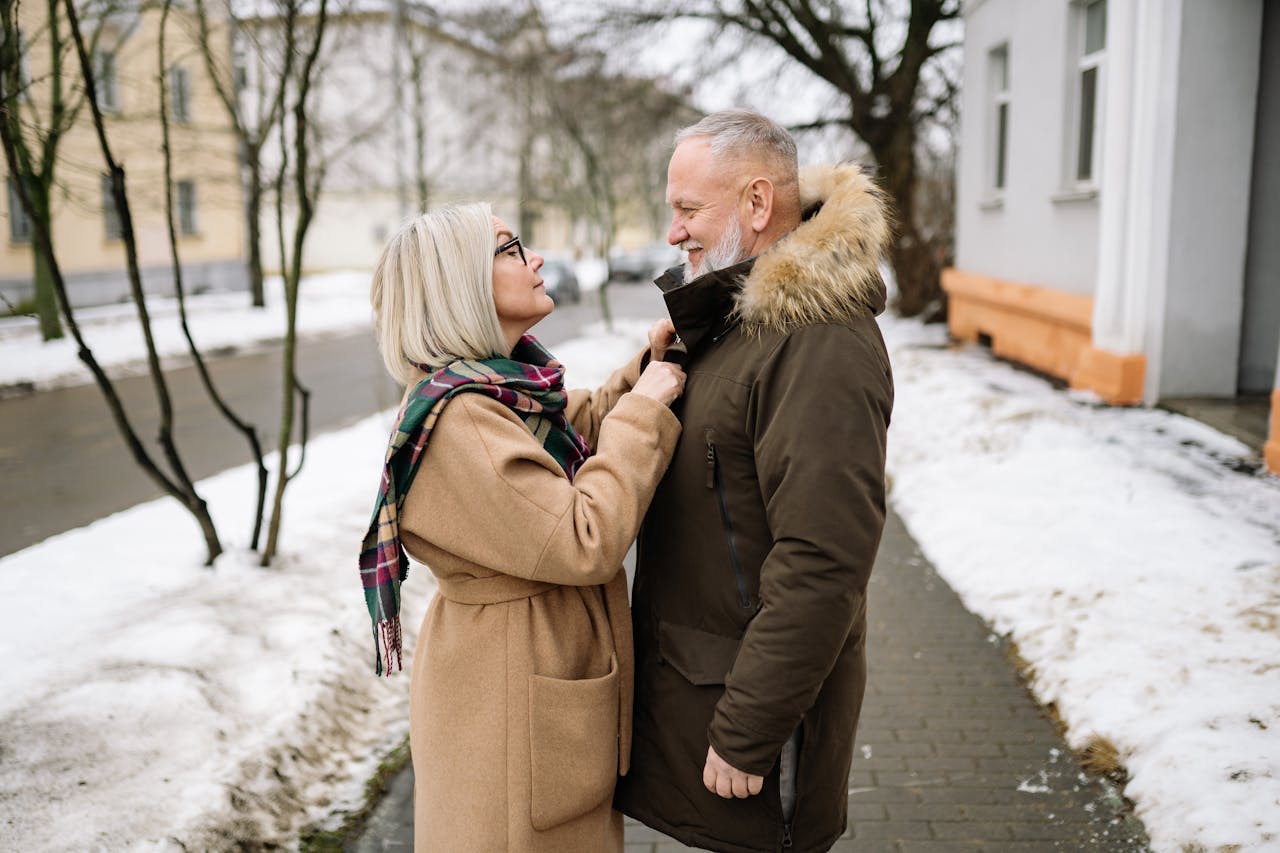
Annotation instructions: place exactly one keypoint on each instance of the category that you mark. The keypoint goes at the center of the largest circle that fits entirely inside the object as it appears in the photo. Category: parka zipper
(789, 821)
(713, 482)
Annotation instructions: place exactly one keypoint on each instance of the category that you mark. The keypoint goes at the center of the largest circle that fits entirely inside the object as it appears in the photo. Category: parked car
(560, 281)
(644, 264)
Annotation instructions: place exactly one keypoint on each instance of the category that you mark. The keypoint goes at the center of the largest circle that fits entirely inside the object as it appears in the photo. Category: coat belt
(491, 590)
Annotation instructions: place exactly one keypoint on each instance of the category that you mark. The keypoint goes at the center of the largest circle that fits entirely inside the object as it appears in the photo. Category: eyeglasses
(513, 243)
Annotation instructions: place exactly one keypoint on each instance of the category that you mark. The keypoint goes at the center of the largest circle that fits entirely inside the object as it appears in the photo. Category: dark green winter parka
(749, 604)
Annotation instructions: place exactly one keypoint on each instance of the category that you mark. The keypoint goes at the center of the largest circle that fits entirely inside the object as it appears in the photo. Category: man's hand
(723, 779)
(662, 335)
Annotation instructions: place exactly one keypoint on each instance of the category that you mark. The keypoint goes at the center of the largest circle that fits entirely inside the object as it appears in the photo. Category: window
(239, 67)
(998, 81)
(1091, 29)
(187, 208)
(110, 216)
(19, 222)
(108, 86)
(24, 65)
(180, 94)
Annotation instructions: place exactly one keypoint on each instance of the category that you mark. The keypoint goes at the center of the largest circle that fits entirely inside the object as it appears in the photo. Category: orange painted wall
(1053, 332)
(1047, 329)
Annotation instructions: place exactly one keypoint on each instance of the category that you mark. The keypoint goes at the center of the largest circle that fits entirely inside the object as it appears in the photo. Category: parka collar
(703, 308)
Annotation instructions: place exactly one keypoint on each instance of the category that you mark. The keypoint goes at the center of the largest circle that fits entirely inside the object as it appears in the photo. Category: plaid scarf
(531, 384)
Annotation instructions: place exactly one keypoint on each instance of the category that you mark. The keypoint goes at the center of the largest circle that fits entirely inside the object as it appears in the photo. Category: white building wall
(1217, 90)
(1037, 232)
(1261, 321)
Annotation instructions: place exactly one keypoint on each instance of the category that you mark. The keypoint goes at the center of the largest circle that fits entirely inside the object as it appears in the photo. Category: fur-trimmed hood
(827, 269)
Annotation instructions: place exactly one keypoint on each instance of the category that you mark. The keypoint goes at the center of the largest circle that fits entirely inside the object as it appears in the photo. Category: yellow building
(86, 229)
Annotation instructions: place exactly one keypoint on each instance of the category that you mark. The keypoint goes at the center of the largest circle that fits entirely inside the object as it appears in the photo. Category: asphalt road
(63, 463)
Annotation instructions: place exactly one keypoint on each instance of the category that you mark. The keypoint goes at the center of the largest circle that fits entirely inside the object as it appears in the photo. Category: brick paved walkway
(953, 754)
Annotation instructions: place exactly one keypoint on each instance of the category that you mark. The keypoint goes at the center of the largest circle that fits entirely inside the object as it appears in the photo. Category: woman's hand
(662, 381)
(662, 335)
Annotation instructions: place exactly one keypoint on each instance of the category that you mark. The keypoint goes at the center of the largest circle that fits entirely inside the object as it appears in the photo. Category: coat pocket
(701, 657)
(573, 745)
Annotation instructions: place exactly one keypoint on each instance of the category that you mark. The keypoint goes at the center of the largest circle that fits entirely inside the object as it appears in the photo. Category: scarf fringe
(387, 638)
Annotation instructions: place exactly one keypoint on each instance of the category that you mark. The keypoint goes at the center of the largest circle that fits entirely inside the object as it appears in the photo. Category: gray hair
(745, 135)
(432, 291)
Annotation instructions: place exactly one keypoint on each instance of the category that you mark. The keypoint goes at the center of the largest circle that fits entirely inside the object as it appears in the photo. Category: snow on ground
(1138, 573)
(332, 303)
(150, 703)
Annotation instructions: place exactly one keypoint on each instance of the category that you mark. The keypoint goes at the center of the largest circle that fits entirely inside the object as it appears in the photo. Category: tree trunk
(46, 295)
(916, 262)
(46, 300)
(253, 212)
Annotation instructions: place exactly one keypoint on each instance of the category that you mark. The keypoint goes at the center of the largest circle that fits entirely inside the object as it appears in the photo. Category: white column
(1111, 325)
(1137, 171)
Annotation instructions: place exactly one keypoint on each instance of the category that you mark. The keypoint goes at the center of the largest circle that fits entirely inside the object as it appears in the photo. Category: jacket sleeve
(818, 416)
(487, 493)
(587, 409)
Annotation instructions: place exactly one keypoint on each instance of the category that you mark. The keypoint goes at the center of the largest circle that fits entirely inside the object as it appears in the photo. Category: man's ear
(760, 199)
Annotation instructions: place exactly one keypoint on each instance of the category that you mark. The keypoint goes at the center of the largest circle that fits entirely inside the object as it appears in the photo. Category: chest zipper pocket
(714, 482)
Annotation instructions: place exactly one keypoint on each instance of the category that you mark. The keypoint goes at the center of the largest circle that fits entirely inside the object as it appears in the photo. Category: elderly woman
(522, 500)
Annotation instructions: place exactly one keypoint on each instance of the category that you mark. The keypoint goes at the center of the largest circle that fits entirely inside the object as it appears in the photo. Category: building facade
(1117, 201)
(86, 227)
(412, 111)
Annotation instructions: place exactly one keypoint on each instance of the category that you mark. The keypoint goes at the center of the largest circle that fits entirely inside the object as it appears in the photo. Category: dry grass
(1101, 758)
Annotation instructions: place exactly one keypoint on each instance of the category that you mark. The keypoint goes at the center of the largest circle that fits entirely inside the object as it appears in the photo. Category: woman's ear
(760, 199)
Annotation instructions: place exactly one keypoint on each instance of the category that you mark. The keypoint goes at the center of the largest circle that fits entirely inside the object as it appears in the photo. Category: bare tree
(591, 136)
(206, 380)
(252, 120)
(45, 109)
(176, 482)
(882, 58)
(307, 180)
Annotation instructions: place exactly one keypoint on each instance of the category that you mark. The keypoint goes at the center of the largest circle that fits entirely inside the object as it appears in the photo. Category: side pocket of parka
(573, 744)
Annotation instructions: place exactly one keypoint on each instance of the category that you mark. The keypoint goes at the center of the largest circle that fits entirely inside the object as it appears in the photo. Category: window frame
(1082, 64)
(21, 228)
(112, 225)
(186, 203)
(179, 94)
(999, 112)
(106, 78)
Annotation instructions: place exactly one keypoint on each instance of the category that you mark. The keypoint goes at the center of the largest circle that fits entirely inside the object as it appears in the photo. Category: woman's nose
(535, 261)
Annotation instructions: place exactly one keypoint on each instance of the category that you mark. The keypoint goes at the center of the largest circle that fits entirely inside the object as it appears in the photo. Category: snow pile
(148, 700)
(220, 323)
(1138, 572)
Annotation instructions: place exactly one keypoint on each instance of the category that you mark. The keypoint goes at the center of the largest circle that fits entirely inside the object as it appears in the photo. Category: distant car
(643, 264)
(560, 281)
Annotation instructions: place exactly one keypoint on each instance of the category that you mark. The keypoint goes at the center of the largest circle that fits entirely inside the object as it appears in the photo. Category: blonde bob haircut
(432, 292)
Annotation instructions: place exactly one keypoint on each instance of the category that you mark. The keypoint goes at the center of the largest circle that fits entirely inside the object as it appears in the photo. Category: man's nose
(677, 234)
(535, 261)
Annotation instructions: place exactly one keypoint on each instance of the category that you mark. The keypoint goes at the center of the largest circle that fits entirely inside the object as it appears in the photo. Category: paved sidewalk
(953, 754)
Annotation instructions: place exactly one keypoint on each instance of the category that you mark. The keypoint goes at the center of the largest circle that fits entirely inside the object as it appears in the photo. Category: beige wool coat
(521, 690)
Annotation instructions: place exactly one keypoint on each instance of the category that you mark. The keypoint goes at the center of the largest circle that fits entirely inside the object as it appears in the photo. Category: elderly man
(750, 592)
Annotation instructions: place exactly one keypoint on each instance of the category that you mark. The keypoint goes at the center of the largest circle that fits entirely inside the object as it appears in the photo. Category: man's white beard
(725, 253)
